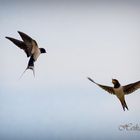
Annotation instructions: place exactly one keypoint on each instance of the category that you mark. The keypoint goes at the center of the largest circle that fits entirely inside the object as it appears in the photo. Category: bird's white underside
(36, 53)
(119, 92)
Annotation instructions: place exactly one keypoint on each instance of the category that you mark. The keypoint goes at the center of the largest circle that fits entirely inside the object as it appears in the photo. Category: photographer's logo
(129, 127)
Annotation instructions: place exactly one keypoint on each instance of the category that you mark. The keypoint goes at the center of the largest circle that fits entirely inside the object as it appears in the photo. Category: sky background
(99, 39)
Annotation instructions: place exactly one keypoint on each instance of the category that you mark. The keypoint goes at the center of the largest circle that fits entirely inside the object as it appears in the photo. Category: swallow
(30, 47)
(119, 91)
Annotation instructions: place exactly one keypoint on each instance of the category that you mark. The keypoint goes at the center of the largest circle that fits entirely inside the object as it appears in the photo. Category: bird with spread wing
(30, 47)
(118, 90)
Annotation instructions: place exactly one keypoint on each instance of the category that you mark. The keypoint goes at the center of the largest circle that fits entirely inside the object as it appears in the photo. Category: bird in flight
(119, 91)
(30, 47)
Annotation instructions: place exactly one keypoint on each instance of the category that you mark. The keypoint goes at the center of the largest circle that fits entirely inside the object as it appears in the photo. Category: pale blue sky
(82, 38)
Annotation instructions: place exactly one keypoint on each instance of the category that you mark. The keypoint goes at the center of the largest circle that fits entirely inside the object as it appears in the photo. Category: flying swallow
(120, 91)
(30, 47)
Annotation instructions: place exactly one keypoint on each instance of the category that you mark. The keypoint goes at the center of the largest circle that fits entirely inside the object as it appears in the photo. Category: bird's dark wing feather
(106, 88)
(20, 44)
(131, 87)
(25, 37)
(30, 43)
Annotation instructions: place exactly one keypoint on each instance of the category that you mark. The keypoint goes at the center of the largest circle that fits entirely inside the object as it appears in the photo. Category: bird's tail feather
(30, 66)
(22, 73)
(124, 105)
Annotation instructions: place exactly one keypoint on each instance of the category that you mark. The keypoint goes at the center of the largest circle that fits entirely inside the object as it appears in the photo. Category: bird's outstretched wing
(30, 43)
(20, 44)
(27, 39)
(131, 87)
(106, 88)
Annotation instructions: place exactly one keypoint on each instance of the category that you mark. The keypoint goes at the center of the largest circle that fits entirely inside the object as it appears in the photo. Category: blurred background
(99, 39)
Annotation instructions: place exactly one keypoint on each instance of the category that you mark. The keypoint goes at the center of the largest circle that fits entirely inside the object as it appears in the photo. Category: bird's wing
(31, 43)
(27, 39)
(20, 44)
(131, 87)
(106, 88)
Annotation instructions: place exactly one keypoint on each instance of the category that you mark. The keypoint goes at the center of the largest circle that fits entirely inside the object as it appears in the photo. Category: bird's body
(120, 91)
(30, 47)
(121, 96)
(36, 54)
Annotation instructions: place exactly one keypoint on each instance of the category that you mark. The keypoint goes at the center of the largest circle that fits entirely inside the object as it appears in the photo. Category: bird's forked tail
(124, 105)
(30, 66)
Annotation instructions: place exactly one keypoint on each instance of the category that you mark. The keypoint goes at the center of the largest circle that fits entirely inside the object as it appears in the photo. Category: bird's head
(115, 83)
(42, 50)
